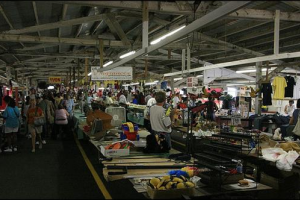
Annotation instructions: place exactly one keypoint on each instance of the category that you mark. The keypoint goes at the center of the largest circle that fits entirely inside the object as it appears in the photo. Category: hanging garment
(289, 90)
(267, 91)
(279, 84)
(297, 89)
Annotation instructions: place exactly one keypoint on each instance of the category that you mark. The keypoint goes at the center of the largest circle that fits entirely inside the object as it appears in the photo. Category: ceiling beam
(63, 16)
(55, 25)
(234, 47)
(240, 62)
(247, 13)
(36, 19)
(295, 4)
(39, 46)
(116, 28)
(195, 25)
(154, 6)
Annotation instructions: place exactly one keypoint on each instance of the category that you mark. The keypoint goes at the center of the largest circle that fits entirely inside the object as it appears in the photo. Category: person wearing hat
(289, 109)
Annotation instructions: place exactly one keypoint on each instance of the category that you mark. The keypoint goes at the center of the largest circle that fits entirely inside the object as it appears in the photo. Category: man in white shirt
(289, 109)
(176, 100)
(160, 123)
(108, 99)
(149, 96)
(122, 98)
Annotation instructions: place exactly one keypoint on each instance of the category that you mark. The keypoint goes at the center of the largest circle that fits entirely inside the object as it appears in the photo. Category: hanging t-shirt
(289, 90)
(297, 89)
(280, 84)
(267, 91)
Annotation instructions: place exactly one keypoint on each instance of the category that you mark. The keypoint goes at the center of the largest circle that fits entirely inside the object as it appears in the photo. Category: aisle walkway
(58, 171)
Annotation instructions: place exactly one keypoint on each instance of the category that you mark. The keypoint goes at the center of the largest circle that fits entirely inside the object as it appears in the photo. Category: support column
(183, 60)
(188, 52)
(276, 32)
(172, 85)
(16, 75)
(86, 69)
(145, 24)
(8, 73)
(258, 102)
(74, 78)
(101, 47)
(70, 82)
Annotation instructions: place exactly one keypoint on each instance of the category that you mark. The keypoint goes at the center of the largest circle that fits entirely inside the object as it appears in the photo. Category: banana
(189, 184)
(169, 185)
(162, 188)
(183, 178)
(178, 180)
(160, 184)
(180, 186)
(154, 182)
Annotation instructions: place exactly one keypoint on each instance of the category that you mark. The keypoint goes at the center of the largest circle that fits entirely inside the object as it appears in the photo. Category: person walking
(61, 122)
(35, 131)
(24, 115)
(12, 123)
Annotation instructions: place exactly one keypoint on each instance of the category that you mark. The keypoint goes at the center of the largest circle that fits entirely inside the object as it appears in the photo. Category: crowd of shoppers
(53, 113)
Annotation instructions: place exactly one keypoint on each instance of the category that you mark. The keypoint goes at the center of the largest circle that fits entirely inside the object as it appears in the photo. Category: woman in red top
(33, 112)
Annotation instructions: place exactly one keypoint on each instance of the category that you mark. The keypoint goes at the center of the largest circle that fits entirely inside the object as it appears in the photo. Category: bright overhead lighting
(251, 70)
(165, 36)
(156, 81)
(109, 63)
(246, 71)
(50, 87)
(177, 79)
(199, 76)
(90, 74)
(134, 83)
(151, 83)
(127, 54)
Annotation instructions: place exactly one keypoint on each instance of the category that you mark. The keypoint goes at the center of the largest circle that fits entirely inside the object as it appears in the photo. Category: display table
(79, 122)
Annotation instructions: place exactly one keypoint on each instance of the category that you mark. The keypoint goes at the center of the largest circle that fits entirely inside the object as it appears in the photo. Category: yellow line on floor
(93, 171)
(178, 143)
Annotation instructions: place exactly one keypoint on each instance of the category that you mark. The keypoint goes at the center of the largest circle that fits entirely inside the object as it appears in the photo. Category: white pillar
(258, 102)
(8, 73)
(188, 57)
(183, 60)
(145, 24)
(276, 32)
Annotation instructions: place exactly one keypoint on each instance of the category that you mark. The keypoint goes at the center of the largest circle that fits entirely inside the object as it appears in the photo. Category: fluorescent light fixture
(134, 83)
(109, 63)
(251, 70)
(90, 74)
(127, 54)
(156, 81)
(177, 79)
(51, 87)
(165, 36)
(199, 76)
(151, 83)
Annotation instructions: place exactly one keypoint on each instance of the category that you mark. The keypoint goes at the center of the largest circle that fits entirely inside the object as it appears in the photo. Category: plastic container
(130, 135)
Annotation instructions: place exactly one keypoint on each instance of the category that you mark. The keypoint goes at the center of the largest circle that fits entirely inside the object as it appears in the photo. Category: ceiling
(48, 38)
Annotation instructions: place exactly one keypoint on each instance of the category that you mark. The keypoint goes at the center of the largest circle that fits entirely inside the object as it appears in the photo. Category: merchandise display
(172, 99)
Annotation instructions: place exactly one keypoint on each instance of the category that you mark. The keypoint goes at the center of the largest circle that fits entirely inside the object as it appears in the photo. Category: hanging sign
(55, 80)
(118, 73)
(192, 81)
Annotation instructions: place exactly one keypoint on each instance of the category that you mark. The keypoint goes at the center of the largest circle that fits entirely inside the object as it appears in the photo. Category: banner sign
(118, 73)
(54, 80)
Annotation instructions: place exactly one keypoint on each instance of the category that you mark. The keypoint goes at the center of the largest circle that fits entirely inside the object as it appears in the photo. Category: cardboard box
(114, 152)
(169, 194)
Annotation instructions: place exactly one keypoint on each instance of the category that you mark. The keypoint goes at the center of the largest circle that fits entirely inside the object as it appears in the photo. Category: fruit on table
(180, 186)
(154, 182)
(190, 184)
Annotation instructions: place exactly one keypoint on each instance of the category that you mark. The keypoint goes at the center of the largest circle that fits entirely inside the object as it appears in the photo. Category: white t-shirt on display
(297, 89)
